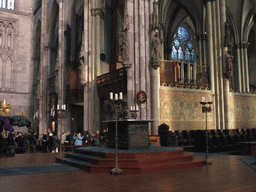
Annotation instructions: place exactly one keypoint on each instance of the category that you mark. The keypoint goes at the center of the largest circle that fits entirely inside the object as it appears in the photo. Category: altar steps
(103, 162)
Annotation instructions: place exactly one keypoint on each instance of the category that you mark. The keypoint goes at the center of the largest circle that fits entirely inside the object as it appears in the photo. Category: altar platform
(102, 159)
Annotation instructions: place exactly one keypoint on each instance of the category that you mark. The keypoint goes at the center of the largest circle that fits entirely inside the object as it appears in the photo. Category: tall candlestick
(111, 95)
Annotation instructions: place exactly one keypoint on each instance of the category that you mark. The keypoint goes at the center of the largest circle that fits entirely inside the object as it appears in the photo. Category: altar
(131, 133)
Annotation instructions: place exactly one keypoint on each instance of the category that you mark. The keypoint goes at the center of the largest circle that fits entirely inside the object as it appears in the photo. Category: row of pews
(218, 140)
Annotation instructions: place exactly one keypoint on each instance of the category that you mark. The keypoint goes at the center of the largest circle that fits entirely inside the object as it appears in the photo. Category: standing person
(10, 143)
(1, 143)
(93, 138)
(25, 142)
(32, 142)
(97, 138)
(78, 139)
(104, 137)
(63, 137)
(87, 138)
(45, 140)
(68, 142)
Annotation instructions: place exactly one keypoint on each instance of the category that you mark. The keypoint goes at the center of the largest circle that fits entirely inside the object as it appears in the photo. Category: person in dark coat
(45, 141)
(10, 143)
(32, 142)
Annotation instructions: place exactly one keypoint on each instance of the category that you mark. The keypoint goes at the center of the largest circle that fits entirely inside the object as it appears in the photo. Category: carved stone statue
(229, 62)
(229, 65)
(156, 51)
(124, 48)
(82, 71)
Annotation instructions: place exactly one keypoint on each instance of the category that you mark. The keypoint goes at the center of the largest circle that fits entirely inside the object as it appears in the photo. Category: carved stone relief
(7, 33)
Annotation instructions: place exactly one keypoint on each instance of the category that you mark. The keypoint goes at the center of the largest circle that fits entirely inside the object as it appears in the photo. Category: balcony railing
(112, 82)
(183, 74)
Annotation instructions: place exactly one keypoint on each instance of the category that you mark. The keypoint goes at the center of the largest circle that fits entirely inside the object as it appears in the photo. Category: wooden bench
(248, 148)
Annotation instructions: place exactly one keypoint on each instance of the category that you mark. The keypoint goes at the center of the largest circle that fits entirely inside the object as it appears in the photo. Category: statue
(124, 48)
(156, 51)
(82, 71)
(229, 65)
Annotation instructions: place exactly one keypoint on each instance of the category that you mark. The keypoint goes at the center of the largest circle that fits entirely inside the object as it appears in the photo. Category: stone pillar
(61, 65)
(209, 35)
(247, 81)
(243, 68)
(43, 71)
(239, 68)
(155, 72)
(224, 47)
(87, 59)
(217, 80)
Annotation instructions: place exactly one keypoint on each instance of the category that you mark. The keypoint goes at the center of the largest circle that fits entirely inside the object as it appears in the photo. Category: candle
(116, 96)
(203, 99)
(111, 95)
(64, 107)
(58, 107)
(137, 107)
(210, 98)
(131, 108)
(121, 95)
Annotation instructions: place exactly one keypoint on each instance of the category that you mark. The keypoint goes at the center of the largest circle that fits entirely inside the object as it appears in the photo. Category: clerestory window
(183, 45)
(7, 4)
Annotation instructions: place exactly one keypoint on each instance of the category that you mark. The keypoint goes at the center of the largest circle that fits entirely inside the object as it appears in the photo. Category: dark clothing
(10, 139)
(32, 143)
(45, 141)
(68, 140)
(10, 142)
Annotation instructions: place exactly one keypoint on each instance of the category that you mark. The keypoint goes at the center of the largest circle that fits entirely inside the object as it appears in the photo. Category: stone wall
(15, 57)
(180, 109)
(242, 110)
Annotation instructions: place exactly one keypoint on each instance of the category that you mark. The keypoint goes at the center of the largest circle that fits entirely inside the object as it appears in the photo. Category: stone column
(239, 68)
(209, 35)
(217, 79)
(87, 59)
(247, 81)
(130, 7)
(61, 64)
(155, 72)
(43, 71)
(243, 68)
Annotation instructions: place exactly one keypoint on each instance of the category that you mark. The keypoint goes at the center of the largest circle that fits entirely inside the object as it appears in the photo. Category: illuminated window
(7, 4)
(183, 45)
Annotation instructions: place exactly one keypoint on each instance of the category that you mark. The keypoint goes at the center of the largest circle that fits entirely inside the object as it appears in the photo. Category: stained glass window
(174, 52)
(10, 4)
(183, 45)
(183, 34)
(180, 53)
(187, 55)
(7, 4)
(176, 43)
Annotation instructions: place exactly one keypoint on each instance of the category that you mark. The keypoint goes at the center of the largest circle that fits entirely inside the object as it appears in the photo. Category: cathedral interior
(61, 59)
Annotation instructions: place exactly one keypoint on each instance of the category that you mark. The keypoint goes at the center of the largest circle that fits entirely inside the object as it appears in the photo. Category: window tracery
(183, 45)
(7, 4)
